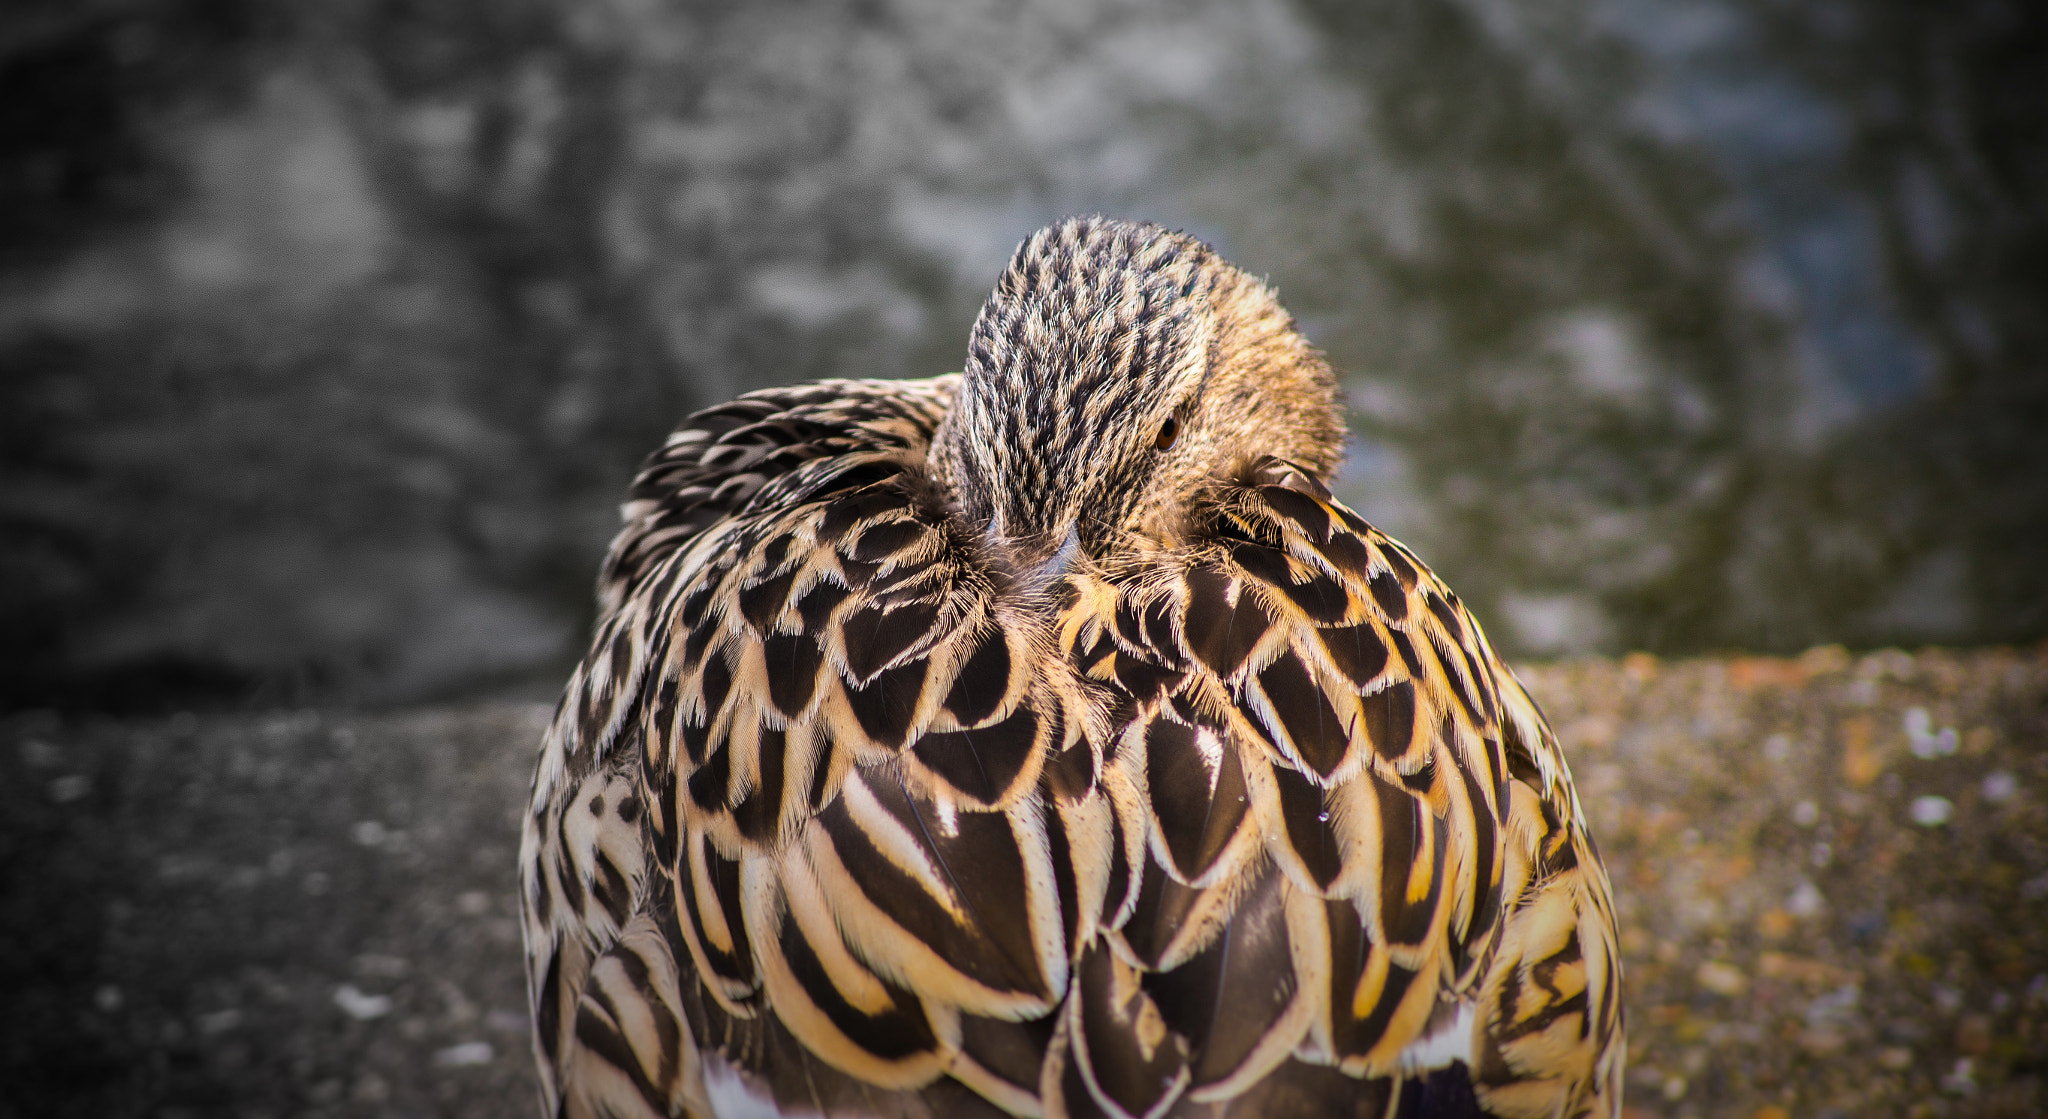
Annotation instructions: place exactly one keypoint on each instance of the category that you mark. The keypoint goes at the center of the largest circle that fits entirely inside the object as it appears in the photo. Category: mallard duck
(1046, 740)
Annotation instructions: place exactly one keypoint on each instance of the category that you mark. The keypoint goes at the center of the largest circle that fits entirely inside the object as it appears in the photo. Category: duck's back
(841, 817)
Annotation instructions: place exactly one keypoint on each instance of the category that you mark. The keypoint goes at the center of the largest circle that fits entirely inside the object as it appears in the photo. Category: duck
(1047, 740)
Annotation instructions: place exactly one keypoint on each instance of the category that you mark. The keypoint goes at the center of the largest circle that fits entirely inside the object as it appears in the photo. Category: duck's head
(1117, 369)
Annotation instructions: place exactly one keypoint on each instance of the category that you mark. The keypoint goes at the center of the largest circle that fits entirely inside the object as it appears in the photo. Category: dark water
(329, 333)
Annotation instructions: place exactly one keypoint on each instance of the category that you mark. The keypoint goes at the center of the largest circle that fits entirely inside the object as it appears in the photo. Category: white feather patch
(1450, 1041)
(733, 1098)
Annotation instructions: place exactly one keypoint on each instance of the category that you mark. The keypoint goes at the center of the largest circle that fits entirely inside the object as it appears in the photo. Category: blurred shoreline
(330, 333)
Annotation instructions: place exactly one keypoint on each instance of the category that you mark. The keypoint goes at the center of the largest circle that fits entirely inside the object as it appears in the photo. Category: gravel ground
(1832, 875)
(292, 914)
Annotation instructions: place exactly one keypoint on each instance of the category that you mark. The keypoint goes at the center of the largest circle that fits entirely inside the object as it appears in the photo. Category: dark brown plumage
(1046, 740)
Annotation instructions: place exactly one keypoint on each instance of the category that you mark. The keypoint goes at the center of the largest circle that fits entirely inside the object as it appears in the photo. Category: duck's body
(1047, 740)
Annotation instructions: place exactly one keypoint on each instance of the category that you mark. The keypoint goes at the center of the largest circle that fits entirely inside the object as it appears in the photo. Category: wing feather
(1294, 677)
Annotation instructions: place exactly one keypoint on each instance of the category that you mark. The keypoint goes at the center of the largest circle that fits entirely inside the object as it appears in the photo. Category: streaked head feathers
(1117, 367)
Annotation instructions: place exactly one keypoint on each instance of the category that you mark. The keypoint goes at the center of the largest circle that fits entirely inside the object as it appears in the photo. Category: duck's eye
(1168, 432)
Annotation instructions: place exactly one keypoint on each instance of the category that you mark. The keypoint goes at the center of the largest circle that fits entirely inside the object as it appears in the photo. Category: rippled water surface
(330, 333)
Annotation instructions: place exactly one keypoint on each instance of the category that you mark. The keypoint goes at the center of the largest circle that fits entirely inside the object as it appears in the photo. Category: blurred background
(330, 332)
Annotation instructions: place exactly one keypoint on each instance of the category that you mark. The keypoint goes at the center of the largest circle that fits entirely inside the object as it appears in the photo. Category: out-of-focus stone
(1722, 979)
(1973, 1034)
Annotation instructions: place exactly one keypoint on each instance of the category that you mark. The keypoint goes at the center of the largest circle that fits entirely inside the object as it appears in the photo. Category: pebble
(1932, 811)
(360, 1006)
(1973, 1034)
(2000, 786)
(382, 966)
(371, 1088)
(1922, 738)
(1722, 979)
(467, 1053)
(219, 1021)
(506, 1021)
